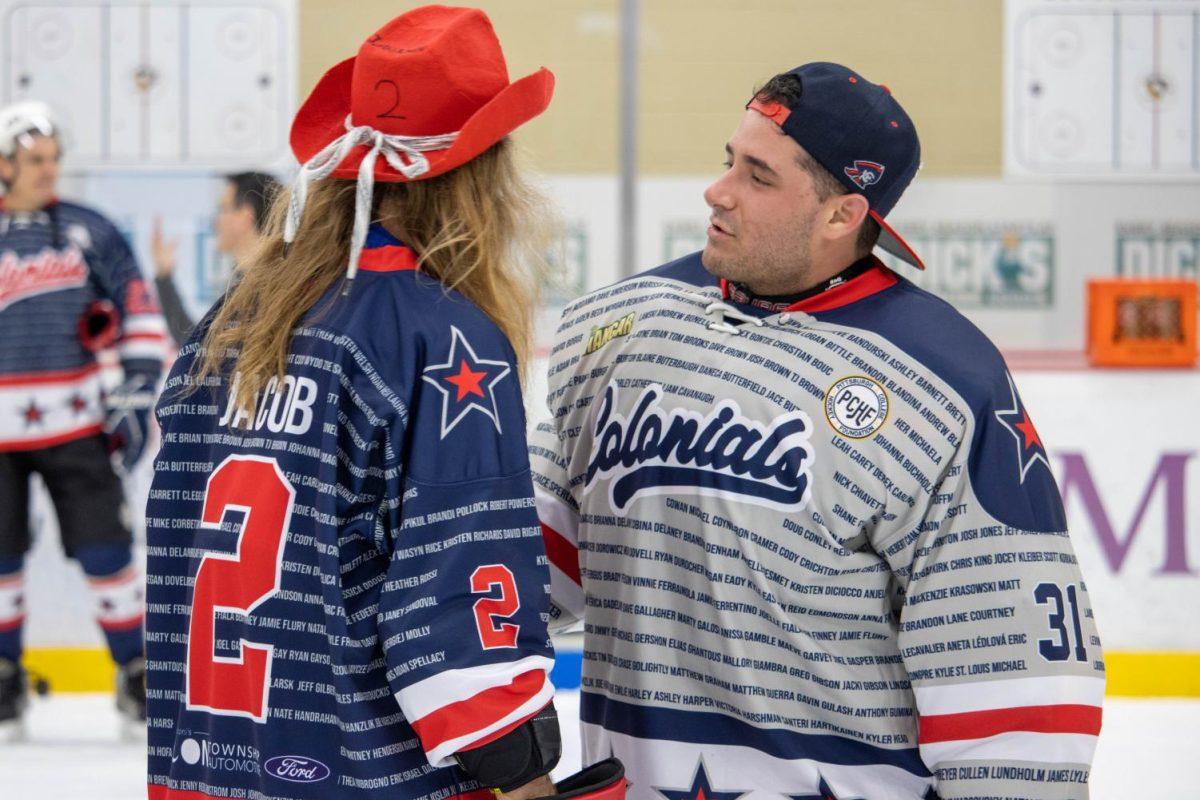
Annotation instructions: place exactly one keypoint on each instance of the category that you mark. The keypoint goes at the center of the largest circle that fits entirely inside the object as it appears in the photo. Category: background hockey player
(809, 524)
(69, 286)
(347, 583)
(238, 226)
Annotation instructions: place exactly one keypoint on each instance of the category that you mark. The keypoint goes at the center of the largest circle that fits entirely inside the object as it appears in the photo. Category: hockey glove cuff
(528, 751)
(99, 326)
(127, 426)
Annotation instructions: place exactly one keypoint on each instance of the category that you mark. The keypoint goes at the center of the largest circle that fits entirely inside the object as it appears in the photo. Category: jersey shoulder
(1008, 464)
(687, 269)
(687, 273)
(77, 213)
(930, 330)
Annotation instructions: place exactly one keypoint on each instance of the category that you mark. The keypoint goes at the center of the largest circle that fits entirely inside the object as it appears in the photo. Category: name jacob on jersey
(285, 408)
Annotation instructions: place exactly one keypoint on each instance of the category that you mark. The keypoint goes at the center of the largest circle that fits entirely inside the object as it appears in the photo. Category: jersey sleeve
(558, 515)
(552, 453)
(463, 610)
(996, 627)
(141, 345)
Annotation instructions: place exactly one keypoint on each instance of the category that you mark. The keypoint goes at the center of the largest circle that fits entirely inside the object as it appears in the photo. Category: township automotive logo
(856, 407)
(196, 748)
(721, 454)
(467, 383)
(864, 173)
(48, 271)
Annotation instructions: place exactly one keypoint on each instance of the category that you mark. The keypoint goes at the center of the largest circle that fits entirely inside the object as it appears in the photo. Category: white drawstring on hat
(325, 162)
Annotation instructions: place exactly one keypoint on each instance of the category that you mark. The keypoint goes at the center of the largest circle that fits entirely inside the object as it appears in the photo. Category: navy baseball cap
(857, 131)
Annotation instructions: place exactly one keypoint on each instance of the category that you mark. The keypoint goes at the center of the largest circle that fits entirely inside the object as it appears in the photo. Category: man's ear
(7, 168)
(845, 214)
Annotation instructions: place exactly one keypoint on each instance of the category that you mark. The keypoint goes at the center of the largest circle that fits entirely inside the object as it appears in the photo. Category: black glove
(127, 426)
(99, 326)
(601, 781)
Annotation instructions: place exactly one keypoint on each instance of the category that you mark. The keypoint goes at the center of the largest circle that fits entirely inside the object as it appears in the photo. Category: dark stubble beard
(780, 266)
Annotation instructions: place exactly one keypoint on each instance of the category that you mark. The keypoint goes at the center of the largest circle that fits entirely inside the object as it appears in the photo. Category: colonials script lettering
(48, 271)
(721, 454)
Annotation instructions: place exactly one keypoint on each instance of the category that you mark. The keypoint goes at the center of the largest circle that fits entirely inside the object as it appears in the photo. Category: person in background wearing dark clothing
(241, 213)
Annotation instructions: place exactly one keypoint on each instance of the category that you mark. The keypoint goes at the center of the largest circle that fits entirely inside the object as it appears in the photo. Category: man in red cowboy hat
(347, 582)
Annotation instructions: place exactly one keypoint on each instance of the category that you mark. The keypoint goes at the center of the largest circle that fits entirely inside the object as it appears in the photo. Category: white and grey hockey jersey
(818, 553)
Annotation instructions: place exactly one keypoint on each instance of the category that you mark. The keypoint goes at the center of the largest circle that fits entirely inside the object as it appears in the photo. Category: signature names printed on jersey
(722, 453)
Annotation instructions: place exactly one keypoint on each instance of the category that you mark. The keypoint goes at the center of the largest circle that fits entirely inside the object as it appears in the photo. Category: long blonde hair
(481, 229)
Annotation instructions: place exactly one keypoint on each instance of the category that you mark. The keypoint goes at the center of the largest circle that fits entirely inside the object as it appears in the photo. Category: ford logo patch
(296, 769)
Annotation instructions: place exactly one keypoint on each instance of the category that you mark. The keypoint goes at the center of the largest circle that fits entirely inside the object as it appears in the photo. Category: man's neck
(783, 300)
(811, 279)
(12, 202)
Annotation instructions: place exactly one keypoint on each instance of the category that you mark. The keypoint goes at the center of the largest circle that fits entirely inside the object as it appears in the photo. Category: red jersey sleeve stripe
(464, 717)
(562, 553)
(1033, 719)
(156, 792)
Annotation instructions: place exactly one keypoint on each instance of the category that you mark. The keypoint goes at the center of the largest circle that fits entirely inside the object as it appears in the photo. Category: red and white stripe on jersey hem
(12, 601)
(118, 600)
(560, 533)
(1051, 720)
(143, 336)
(156, 792)
(459, 708)
(42, 409)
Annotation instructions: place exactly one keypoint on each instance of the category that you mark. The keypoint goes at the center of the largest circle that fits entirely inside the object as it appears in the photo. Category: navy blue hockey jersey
(349, 585)
(53, 263)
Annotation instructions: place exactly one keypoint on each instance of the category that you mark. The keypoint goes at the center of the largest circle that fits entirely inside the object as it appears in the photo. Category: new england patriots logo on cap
(864, 173)
(1029, 445)
(467, 383)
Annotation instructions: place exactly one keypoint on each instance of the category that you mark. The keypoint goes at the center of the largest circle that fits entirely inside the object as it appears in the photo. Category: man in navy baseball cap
(819, 159)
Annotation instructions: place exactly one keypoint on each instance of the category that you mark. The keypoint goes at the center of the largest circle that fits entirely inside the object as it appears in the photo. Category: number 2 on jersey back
(238, 685)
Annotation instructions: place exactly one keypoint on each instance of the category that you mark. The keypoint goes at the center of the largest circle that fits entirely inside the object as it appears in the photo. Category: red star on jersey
(33, 414)
(78, 403)
(466, 381)
(474, 380)
(1025, 426)
(1029, 445)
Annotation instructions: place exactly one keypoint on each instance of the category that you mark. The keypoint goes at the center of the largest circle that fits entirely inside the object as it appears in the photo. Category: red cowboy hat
(431, 72)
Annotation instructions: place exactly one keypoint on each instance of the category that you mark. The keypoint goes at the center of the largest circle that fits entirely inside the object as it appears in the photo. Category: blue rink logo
(297, 769)
(721, 454)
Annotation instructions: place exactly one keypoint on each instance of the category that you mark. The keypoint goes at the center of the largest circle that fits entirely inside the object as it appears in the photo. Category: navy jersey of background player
(347, 585)
(54, 263)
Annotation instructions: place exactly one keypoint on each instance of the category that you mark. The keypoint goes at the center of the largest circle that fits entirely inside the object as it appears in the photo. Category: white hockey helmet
(19, 120)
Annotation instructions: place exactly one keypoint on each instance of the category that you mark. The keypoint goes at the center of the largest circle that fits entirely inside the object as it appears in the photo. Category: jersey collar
(383, 252)
(873, 281)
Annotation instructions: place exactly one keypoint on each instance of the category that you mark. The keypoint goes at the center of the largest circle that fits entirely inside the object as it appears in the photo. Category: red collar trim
(388, 258)
(873, 281)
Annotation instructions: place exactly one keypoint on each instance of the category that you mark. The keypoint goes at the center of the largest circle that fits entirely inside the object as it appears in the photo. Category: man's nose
(718, 194)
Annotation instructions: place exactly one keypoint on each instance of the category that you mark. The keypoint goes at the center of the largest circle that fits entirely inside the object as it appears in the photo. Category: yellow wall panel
(699, 61)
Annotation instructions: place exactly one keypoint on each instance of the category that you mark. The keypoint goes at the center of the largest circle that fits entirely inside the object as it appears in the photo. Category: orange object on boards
(1142, 323)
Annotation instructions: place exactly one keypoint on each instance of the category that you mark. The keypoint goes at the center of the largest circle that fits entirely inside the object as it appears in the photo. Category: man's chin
(715, 264)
